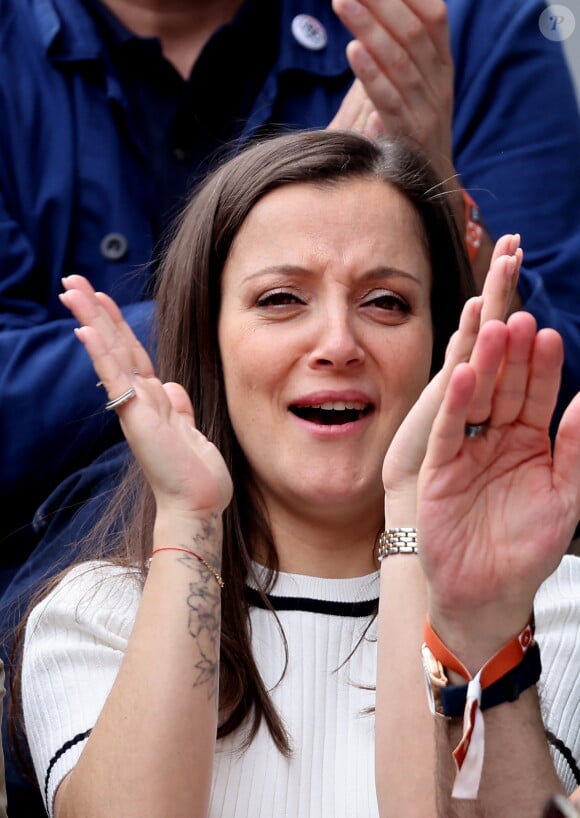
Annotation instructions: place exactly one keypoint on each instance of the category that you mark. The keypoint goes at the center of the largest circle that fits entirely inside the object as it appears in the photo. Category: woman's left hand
(407, 449)
(496, 512)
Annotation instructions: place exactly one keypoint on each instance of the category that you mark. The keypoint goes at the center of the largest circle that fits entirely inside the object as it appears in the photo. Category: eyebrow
(370, 275)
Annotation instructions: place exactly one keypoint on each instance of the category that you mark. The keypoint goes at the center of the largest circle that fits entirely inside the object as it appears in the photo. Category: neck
(182, 26)
(319, 547)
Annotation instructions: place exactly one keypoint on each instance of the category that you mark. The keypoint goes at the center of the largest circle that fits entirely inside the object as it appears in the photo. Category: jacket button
(114, 246)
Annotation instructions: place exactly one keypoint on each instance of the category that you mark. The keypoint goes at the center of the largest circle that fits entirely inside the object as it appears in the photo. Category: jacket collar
(66, 30)
(68, 34)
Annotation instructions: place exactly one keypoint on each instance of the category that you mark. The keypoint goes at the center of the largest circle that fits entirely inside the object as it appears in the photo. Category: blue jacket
(73, 176)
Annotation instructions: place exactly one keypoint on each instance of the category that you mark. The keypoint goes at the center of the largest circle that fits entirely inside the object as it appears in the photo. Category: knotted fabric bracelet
(217, 576)
(469, 752)
(508, 688)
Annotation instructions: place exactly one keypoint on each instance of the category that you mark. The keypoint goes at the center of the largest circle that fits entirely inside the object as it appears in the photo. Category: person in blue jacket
(110, 112)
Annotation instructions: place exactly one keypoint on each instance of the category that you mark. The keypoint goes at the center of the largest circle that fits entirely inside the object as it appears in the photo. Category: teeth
(339, 405)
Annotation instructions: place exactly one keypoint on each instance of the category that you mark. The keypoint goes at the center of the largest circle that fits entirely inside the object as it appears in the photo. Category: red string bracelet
(470, 763)
(217, 576)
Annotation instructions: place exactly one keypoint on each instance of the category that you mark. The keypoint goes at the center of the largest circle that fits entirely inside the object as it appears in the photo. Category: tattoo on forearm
(204, 604)
(209, 527)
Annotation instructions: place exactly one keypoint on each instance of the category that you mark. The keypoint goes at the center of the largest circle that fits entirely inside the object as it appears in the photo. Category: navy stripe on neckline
(322, 606)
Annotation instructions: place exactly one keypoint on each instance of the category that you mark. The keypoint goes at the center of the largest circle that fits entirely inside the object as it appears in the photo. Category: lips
(332, 412)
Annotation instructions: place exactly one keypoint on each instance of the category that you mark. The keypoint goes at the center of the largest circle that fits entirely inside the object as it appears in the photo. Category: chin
(341, 494)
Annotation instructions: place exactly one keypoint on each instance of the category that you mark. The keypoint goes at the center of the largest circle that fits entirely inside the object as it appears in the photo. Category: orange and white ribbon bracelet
(470, 751)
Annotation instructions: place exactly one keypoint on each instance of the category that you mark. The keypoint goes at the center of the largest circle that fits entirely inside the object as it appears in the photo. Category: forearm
(404, 725)
(518, 774)
(151, 750)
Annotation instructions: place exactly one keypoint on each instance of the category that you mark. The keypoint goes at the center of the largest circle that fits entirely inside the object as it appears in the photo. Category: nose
(337, 343)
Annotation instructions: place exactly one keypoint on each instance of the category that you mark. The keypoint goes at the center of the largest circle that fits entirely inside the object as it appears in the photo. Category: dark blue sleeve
(517, 149)
(70, 180)
(52, 420)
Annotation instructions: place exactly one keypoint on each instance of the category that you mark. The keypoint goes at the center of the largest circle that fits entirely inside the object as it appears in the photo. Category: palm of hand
(492, 520)
(186, 472)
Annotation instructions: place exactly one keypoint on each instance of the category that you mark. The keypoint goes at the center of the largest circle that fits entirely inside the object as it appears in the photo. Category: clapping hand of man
(402, 60)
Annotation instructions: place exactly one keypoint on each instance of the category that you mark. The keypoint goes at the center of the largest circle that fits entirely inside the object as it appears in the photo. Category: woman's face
(325, 337)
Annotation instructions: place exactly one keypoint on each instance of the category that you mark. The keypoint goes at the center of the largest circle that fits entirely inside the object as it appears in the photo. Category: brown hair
(188, 302)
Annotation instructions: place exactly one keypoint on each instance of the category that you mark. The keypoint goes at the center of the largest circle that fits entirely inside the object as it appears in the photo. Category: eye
(278, 298)
(387, 301)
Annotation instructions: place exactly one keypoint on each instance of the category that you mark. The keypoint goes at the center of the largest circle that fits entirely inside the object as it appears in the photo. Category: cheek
(410, 364)
(250, 381)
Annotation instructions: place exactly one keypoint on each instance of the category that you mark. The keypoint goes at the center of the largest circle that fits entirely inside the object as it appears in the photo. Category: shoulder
(20, 30)
(557, 607)
(563, 583)
(96, 597)
(491, 25)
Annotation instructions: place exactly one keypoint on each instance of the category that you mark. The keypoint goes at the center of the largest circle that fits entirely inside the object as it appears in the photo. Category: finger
(544, 379)
(486, 360)
(100, 312)
(448, 430)
(506, 245)
(501, 280)
(510, 389)
(117, 379)
(180, 400)
(378, 84)
(411, 440)
(77, 282)
(140, 360)
(433, 16)
(410, 49)
(407, 449)
(462, 341)
(354, 110)
(399, 33)
(110, 353)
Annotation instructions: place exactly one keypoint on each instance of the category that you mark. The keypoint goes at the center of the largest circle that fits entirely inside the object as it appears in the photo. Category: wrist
(401, 506)
(395, 541)
(474, 639)
(503, 676)
(199, 532)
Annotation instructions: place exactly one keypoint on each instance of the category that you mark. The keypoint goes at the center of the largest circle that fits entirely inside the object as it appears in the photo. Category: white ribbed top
(76, 638)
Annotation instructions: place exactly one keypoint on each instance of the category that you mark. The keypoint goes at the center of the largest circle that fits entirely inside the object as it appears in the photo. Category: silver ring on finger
(122, 399)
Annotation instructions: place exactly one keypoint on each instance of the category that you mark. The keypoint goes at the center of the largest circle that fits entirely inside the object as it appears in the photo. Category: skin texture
(305, 311)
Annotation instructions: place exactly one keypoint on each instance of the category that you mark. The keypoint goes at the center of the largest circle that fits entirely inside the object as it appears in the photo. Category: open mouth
(335, 413)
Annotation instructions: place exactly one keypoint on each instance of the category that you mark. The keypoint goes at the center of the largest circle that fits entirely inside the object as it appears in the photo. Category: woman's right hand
(186, 472)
